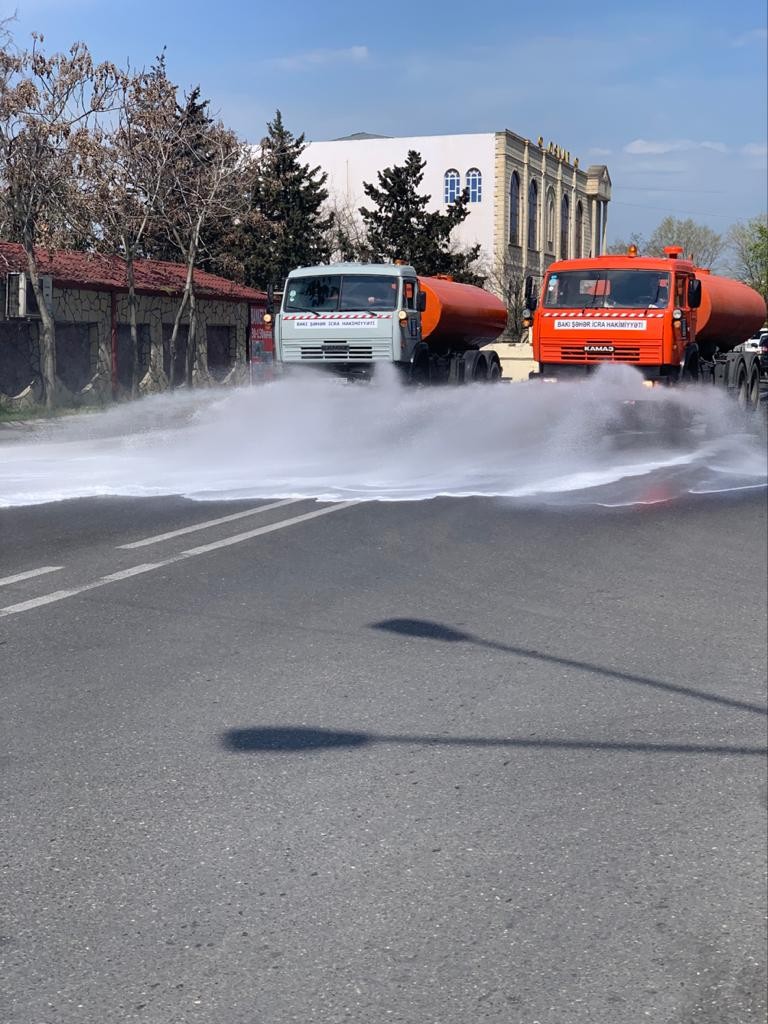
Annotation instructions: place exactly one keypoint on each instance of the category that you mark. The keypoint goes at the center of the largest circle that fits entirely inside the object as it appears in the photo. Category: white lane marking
(261, 530)
(29, 574)
(211, 522)
(60, 595)
(24, 606)
(136, 570)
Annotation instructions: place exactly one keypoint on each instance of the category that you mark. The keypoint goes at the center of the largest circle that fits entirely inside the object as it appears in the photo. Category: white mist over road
(316, 437)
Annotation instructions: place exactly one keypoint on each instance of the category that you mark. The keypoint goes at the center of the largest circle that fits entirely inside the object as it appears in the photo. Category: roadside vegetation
(121, 161)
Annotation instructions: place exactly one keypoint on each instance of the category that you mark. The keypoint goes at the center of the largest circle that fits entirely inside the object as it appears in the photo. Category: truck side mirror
(421, 302)
(529, 294)
(694, 293)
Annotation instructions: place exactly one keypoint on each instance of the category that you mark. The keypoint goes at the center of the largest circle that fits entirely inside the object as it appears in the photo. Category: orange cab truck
(349, 317)
(671, 320)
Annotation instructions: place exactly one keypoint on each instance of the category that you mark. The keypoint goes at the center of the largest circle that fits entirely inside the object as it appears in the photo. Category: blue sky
(671, 96)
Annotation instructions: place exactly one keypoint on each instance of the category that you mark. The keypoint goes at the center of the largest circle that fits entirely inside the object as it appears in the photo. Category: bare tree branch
(47, 107)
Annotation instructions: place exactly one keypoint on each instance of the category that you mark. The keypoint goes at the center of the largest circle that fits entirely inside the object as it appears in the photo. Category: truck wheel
(480, 375)
(742, 390)
(753, 392)
(494, 373)
(420, 373)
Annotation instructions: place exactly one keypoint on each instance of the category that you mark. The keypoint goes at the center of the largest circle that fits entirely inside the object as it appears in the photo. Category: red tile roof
(88, 270)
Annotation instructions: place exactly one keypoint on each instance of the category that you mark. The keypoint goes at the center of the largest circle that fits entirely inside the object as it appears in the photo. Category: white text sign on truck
(600, 325)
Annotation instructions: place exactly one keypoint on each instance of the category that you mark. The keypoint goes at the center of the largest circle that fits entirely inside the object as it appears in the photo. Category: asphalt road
(448, 761)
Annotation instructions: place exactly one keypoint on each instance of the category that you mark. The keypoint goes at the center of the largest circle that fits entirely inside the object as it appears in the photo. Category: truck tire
(689, 371)
(480, 372)
(494, 373)
(742, 387)
(753, 391)
(420, 370)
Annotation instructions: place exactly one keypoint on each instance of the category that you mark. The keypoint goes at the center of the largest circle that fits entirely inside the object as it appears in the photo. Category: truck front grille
(336, 350)
(576, 354)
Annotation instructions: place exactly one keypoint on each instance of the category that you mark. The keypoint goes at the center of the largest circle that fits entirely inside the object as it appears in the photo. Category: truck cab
(628, 309)
(674, 322)
(347, 317)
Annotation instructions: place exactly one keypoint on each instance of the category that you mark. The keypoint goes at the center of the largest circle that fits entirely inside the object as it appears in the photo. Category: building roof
(360, 137)
(107, 273)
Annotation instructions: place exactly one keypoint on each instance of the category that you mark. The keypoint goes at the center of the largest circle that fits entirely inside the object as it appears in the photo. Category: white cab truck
(349, 317)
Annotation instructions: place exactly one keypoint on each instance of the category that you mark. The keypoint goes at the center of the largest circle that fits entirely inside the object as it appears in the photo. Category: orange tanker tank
(730, 312)
(459, 316)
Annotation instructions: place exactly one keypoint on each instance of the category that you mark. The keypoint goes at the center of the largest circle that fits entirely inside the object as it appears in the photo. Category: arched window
(550, 220)
(514, 209)
(451, 186)
(533, 215)
(474, 185)
(578, 230)
(564, 225)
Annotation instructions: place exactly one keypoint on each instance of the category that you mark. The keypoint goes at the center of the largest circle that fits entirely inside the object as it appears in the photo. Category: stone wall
(84, 346)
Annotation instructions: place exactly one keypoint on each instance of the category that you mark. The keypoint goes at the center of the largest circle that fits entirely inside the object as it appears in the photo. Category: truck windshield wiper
(594, 303)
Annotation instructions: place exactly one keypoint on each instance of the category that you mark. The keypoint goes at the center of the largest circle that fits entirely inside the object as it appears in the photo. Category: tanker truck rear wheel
(742, 390)
(494, 373)
(753, 393)
(480, 374)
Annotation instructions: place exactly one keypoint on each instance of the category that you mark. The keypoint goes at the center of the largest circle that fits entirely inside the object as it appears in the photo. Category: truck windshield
(617, 289)
(331, 293)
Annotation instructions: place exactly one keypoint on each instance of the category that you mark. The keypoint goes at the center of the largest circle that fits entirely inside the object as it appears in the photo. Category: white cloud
(656, 147)
(321, 58)
(758, 149)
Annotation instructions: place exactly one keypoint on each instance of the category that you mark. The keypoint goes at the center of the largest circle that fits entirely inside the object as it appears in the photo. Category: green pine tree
(402, 228)
(285, 225)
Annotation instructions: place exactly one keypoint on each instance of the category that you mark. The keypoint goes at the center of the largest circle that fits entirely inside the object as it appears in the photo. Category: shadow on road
(428, 630)
(302, 739)
(274, 739)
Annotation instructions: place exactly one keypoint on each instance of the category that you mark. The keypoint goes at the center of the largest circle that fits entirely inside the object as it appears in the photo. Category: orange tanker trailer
(459, 315)
(348, 317)
(671, 320)
(729, 313)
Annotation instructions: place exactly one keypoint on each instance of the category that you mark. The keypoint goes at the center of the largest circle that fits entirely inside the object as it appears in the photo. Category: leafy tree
(401, 226)
(204, 191)
(127, 171)
(192, 122)
(47, 108)
(700, 243)
(749, 246)
(177, 166)
(284, 224)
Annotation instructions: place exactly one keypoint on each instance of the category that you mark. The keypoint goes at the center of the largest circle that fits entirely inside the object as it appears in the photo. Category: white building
(529, 203)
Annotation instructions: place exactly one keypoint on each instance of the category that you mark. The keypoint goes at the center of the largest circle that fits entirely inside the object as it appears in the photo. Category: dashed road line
(29, 574)
(261, 530)
(158, 538)
(137, 570)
